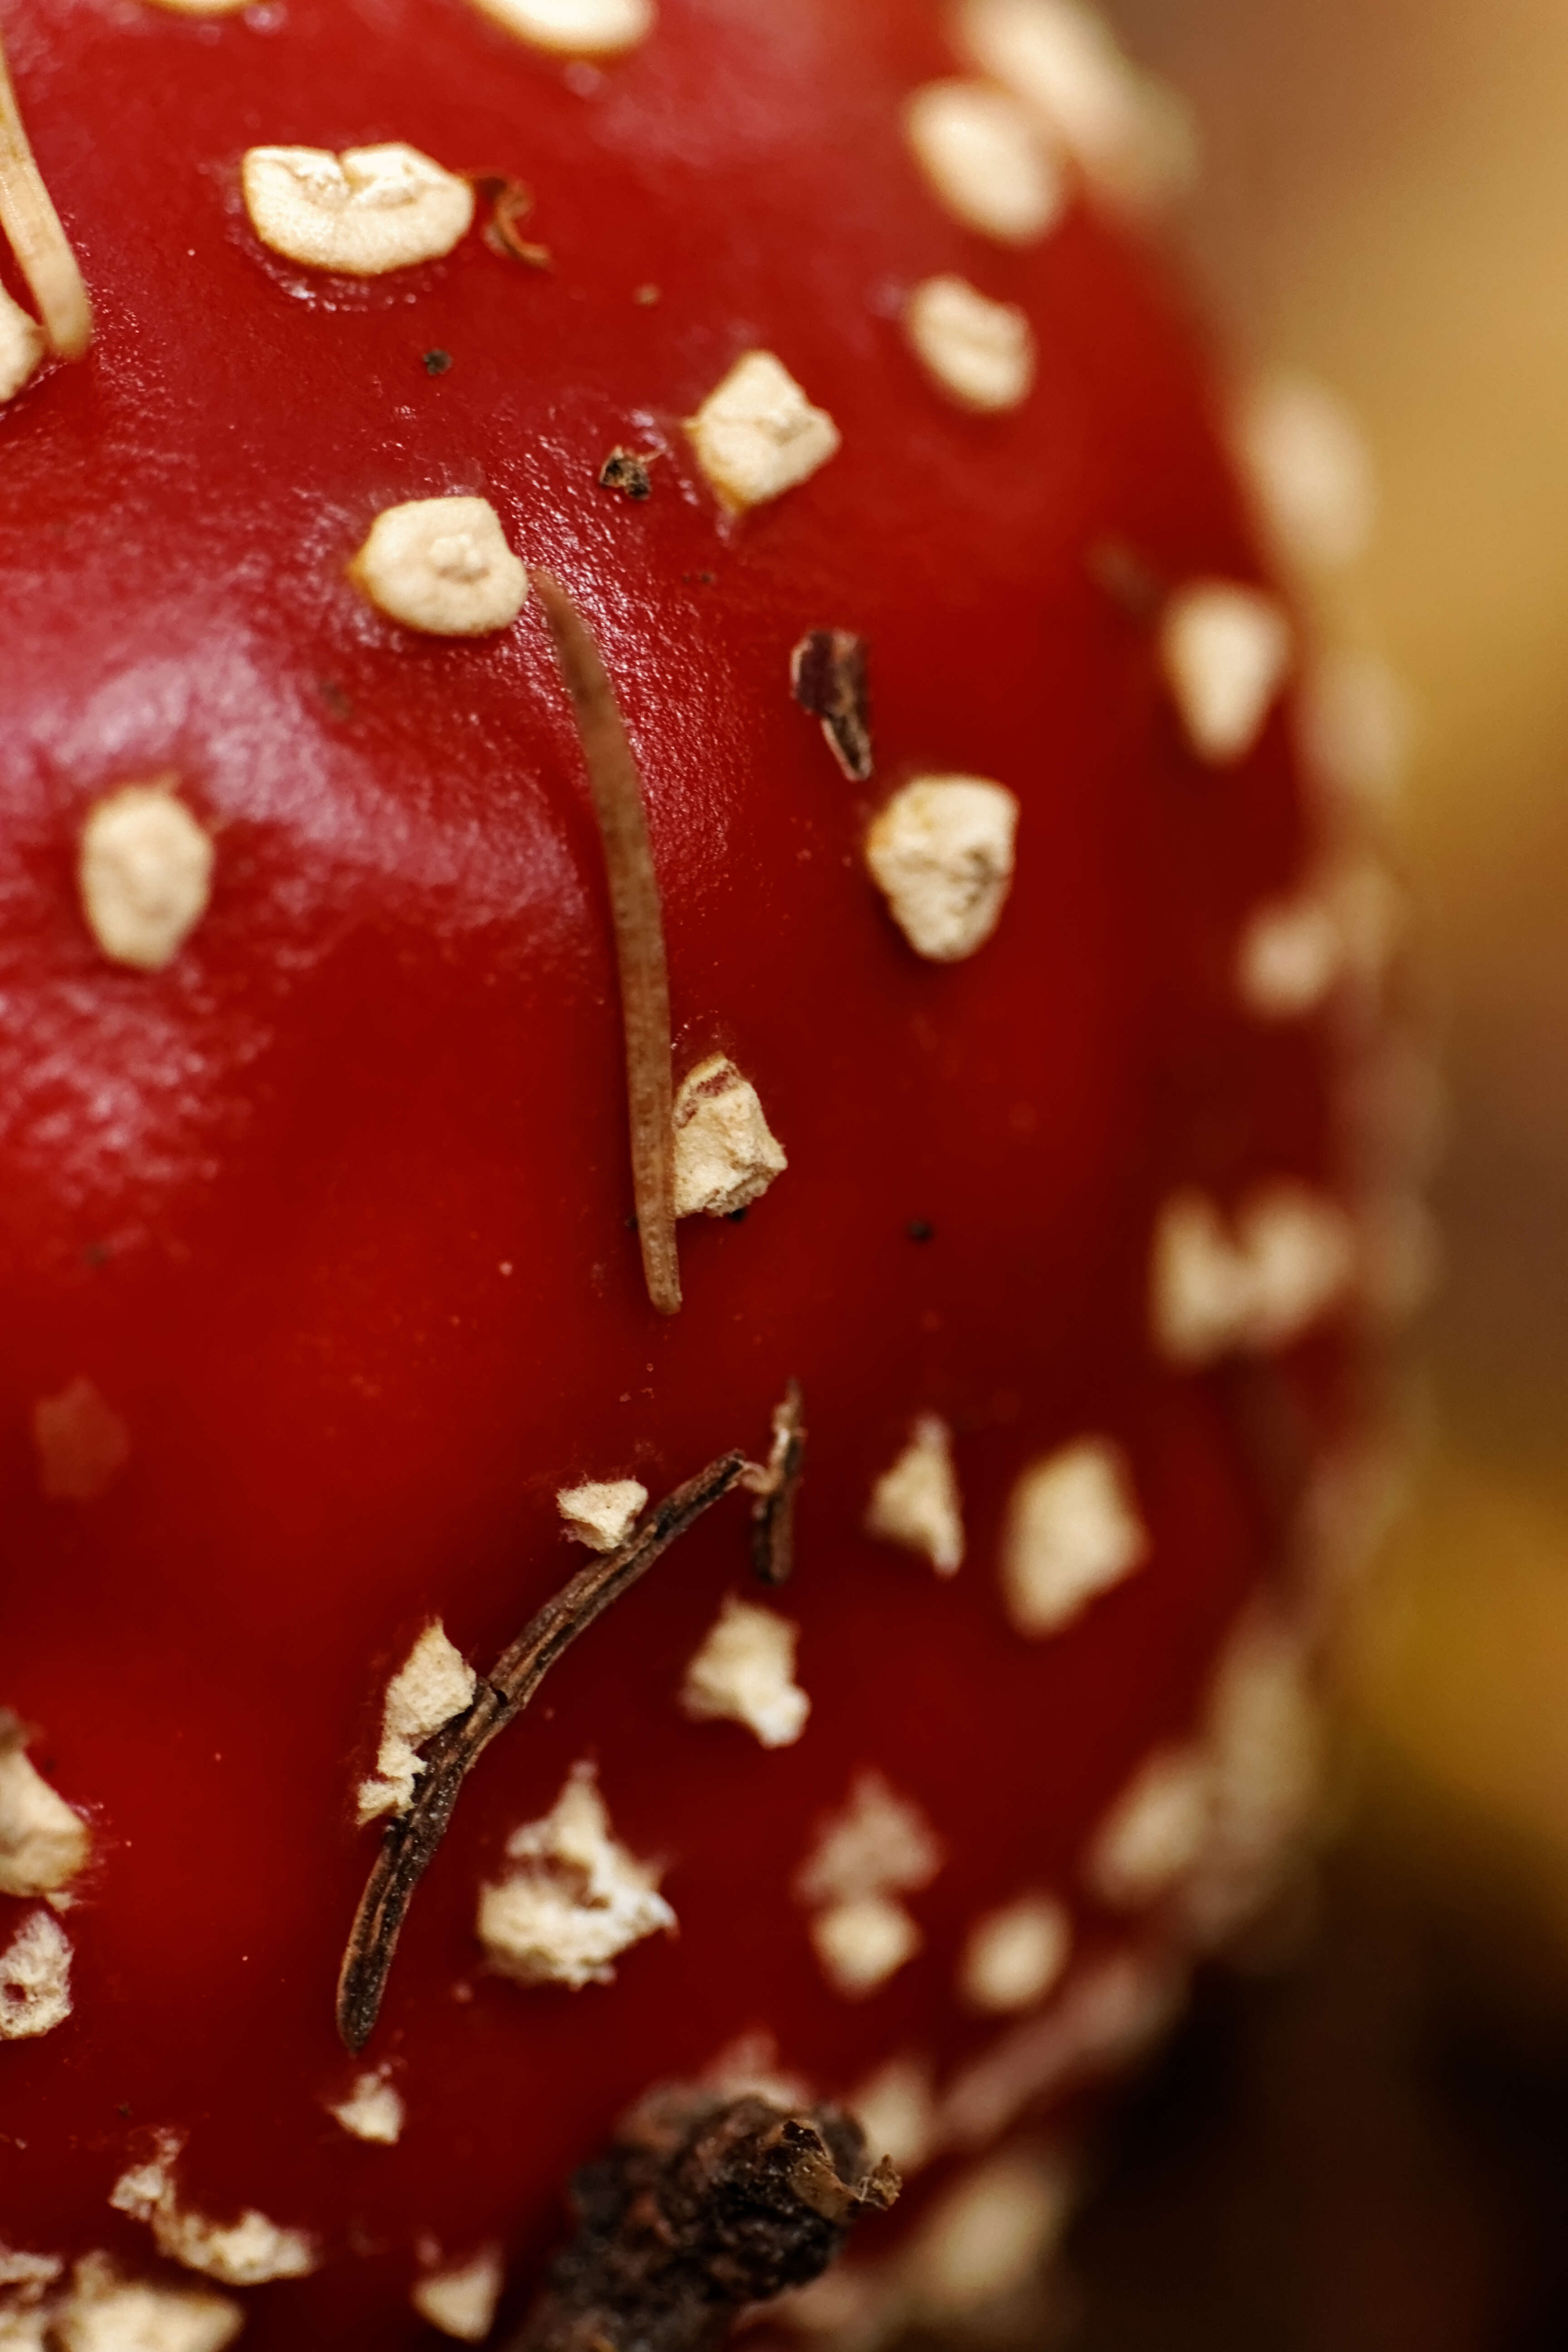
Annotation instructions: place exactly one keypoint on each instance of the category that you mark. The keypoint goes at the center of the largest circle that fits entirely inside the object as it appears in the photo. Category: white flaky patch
(575, 1901)
(244, 2252)
(980, 353)
(757, 434)
(1226, 651)
(1356, 727)
(1133, 138)
(105, 2313)
(144, 874)
(942, 854)
(372, 2111)
(362, 213)
(34, 1980)
(879, 1847)
(22, 345)
(985, 160)
(861, 1944)
(442, 566)
(1073, 1531)
(602, 1512)
(461, 2297)
(43, 1844)
(1310, 471)
(726, 1155)
(744, 1673)
(989, 2236)
(577, 28)
(917, 1503)
(897, 2111)
(1289, 1263)
(1264, 1740)
(1290, 956)
(1013, 1957)
(434, 1684)
(1156, 1832)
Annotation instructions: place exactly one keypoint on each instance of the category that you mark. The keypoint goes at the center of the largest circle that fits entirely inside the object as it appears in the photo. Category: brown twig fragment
(510, 203)
(702, 2206)
(639, 918)
(828, 673)
(409, 1844)
(776, 1485)
(40, 244)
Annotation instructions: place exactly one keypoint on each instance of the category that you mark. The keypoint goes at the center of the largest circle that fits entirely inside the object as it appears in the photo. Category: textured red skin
(264, 1199)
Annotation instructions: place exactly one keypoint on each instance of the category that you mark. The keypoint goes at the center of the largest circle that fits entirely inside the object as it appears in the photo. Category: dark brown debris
(410, 1843)
(510, 203)
(626, 471)
(703, 2205)
(828, 671)
(776, 1485)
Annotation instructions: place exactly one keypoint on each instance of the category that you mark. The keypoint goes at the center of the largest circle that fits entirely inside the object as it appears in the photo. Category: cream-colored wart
(34, 1980)
(744, 1673)
(897, 2110)
(1073, 1531)
(1226, 652)
(1289, 958)
(985, 160)
(1133, 138)
(372, 2111)
(577, 28)
(105, 2313)
(757, 434)
(1265, 1736)
(144, 873)
(574, 1900)
(22, 346)
(1155, 1833)
(367, 211)
(980, 353)
(1309, 469)
(1356, 727)
(726, 1155)
(244, 2252)
(1289, 1263)
(43, 1844)
(460, 2298)
(879, 1847)
(434, 1684)
(917, 1503)
(942, 854)
(602, 1512)
(989, 2238)
(1013, 1957)
(442, 566)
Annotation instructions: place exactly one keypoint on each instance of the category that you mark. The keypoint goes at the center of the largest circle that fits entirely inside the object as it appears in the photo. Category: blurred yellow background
(1385, 203)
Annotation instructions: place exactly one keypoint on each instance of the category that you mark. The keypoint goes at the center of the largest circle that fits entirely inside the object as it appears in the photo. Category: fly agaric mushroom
(423, 878)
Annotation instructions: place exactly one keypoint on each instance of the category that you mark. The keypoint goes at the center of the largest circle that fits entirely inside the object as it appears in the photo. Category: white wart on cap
(22, 345)
(461, 2297)
(144, 873)
(1226, 651)
(744, 1673)
(757, 436)
(985, 160)
(726, 1155)
(573, 1900)
(43, 1844)
(443, 566)
(602, 1512)
(360, 214)
(942, 854)
(578, 28)
(980, 353)
(1073, 1530)
(916, 1504)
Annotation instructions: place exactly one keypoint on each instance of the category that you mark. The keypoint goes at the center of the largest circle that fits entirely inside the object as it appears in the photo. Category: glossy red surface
(334, 1211)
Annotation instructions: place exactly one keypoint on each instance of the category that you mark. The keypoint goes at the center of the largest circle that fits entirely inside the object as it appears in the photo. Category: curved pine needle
(638, 918)
(40, 244)
(409, 1845)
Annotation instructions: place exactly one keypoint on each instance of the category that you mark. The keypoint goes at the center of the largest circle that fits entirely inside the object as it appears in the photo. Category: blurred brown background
(1371, 2149)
